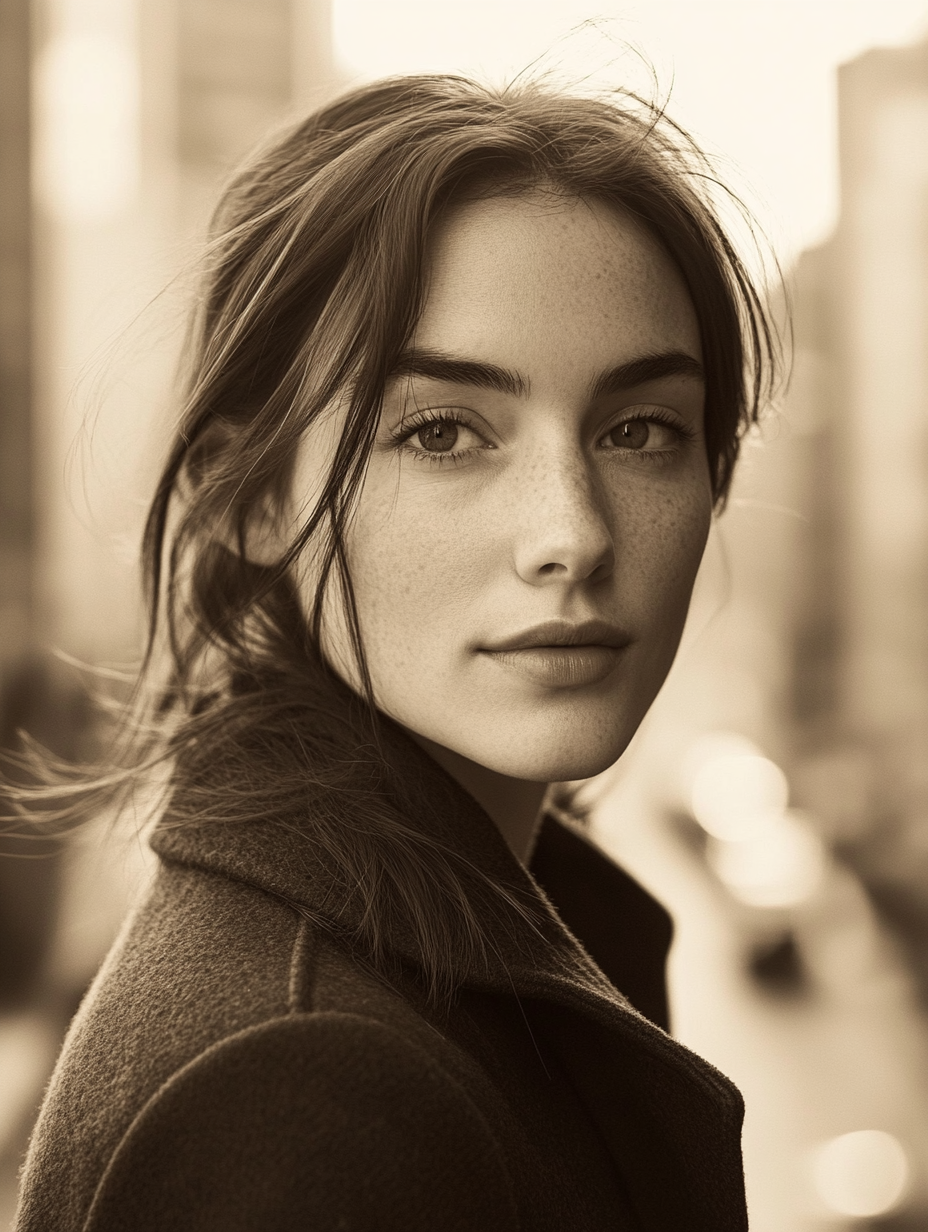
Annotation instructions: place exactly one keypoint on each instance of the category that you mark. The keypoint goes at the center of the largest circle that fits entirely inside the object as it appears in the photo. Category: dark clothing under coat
(236, 1067)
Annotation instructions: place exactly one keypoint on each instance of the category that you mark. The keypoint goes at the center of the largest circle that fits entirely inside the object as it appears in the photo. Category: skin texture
(540, 511)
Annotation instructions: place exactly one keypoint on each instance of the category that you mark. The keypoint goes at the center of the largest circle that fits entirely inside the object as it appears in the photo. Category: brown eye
(439, 436)
(632, 434)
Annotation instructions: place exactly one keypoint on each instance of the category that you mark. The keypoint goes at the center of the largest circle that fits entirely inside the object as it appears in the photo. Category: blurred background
(777, 796)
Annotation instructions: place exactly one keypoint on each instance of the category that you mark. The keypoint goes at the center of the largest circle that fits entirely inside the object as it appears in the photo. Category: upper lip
(563, 633)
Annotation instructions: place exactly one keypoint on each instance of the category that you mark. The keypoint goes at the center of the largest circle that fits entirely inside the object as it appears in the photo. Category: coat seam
(302, 969)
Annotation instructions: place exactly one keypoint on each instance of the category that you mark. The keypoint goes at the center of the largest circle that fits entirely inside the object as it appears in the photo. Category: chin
(555, 759)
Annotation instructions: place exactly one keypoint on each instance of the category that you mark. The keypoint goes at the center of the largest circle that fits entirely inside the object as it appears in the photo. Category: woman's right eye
(438, 436)
(441, 437)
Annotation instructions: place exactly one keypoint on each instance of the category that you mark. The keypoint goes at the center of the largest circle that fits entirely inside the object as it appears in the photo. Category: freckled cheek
(416, 571)
(660, 544)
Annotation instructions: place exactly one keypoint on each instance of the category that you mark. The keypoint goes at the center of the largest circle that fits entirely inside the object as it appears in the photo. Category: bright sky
(753, 80)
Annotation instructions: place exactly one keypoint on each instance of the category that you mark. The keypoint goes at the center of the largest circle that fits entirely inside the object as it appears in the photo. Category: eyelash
(421, 419)
(683, 432)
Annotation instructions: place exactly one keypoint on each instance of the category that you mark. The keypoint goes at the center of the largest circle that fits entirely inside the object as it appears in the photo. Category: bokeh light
(780, 864)
(734, 790)
(861, 1174)
(765, 854)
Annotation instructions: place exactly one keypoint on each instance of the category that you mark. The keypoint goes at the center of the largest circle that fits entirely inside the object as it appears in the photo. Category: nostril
(552, 568)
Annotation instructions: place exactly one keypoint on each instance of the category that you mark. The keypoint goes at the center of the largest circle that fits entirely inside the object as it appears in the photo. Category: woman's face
(537, 501)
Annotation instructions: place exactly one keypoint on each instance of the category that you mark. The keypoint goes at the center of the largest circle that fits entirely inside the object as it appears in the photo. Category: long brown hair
(313, 283)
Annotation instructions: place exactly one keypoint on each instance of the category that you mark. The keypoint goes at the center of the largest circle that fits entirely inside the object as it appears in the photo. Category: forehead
(543, 279)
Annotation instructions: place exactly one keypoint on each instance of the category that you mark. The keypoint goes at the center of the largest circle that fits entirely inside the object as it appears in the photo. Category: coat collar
(529, 954)
(535, 957)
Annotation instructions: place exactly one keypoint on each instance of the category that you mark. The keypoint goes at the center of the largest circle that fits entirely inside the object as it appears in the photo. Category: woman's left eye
(641, 435)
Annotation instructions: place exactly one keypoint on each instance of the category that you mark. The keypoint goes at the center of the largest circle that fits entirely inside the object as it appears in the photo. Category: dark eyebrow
(646, 368)
(438, 366)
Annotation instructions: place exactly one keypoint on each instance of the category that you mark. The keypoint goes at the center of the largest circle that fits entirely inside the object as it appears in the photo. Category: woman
(468, 381)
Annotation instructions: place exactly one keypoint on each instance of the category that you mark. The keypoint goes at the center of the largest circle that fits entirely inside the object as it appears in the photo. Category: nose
(562, 534)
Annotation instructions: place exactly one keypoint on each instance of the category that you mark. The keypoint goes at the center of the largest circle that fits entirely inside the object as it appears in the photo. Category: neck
(514, 805)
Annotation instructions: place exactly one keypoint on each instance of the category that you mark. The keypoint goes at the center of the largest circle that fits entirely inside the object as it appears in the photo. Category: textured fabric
(236, 1067)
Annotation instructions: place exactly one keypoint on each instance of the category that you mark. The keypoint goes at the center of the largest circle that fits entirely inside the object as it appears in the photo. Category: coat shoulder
(323, 1120)
(202, 958)
(232, 1068)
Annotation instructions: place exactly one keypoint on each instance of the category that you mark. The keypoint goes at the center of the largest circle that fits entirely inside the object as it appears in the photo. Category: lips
(558, 654)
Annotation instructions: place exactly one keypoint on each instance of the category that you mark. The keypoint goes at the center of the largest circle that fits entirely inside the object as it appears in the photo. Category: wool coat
(236, 1067)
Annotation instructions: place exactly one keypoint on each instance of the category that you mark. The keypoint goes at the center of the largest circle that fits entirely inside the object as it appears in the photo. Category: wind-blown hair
(314, 282)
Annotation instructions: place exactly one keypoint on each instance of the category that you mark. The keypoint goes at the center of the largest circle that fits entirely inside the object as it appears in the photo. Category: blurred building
(141, 108)
(16, 520)
(118, 121)
(860, 399)
(27, 889)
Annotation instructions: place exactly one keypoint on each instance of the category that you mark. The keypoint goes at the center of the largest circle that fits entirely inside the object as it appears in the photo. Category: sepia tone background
(777, 796)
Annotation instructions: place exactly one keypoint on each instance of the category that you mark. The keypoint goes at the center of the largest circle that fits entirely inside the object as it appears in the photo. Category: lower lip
(560, 667)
